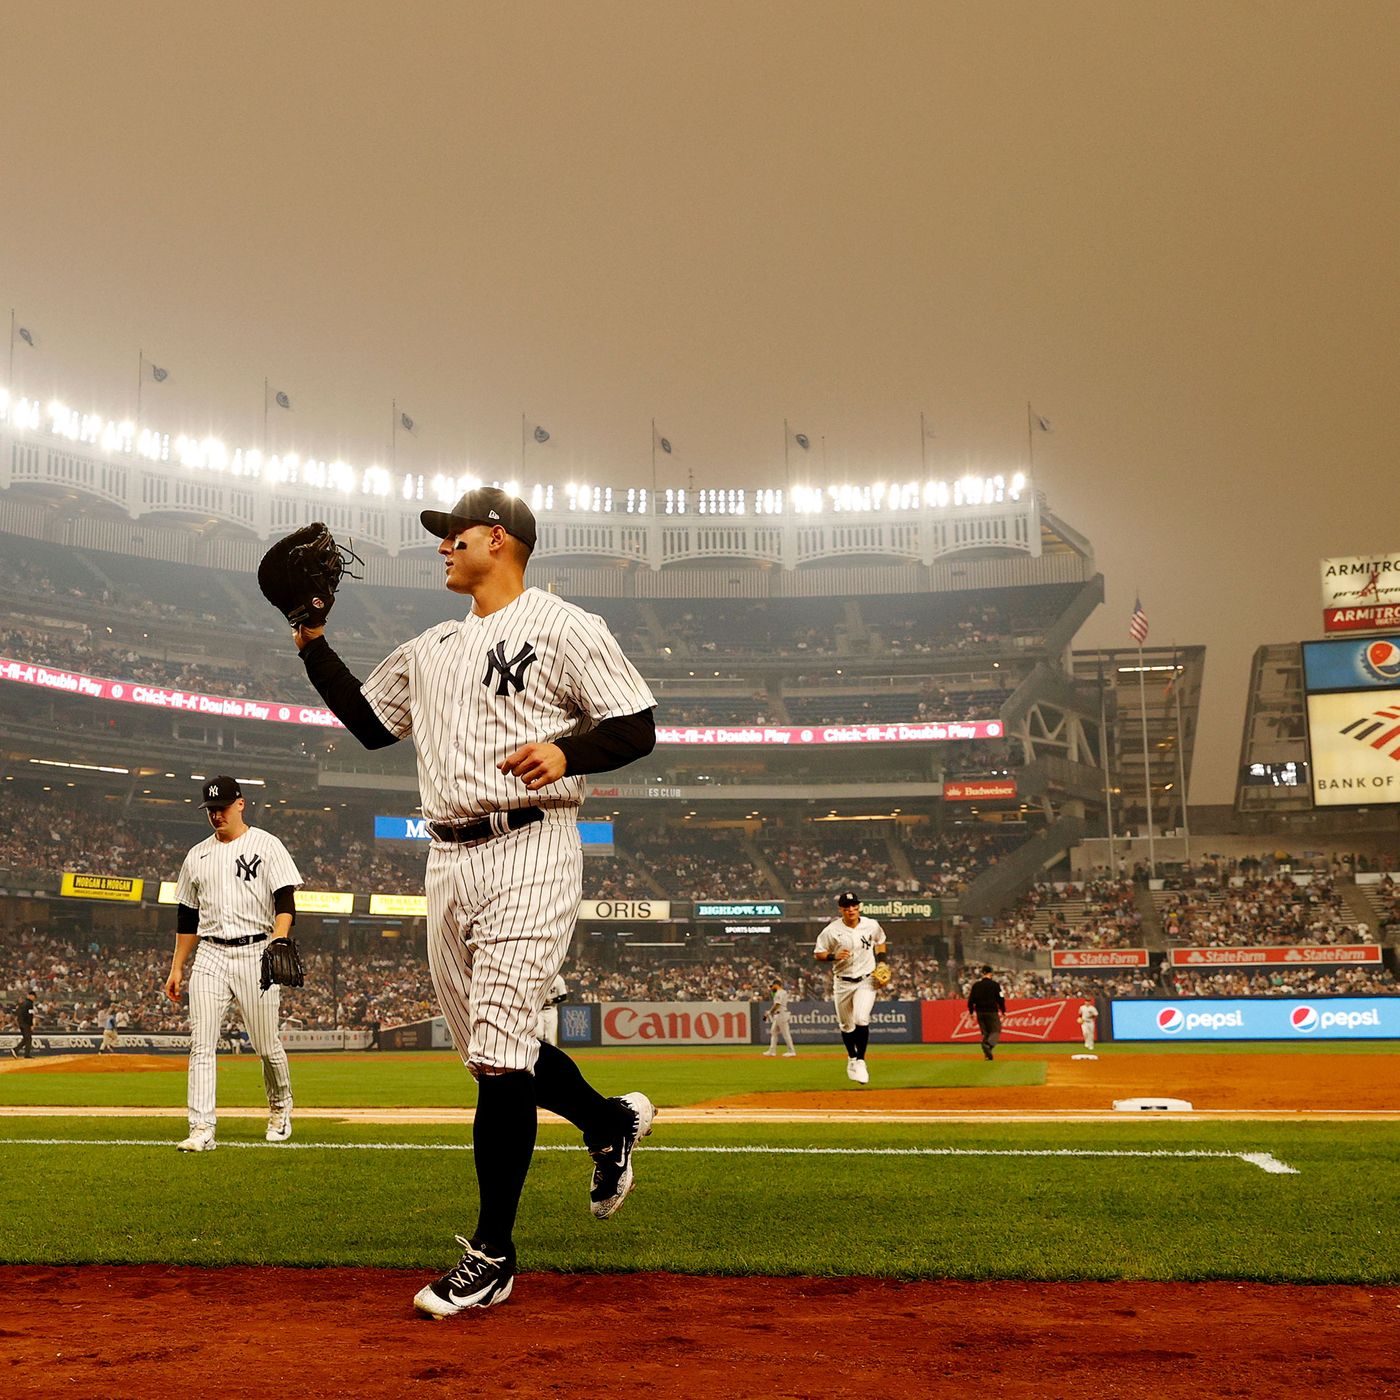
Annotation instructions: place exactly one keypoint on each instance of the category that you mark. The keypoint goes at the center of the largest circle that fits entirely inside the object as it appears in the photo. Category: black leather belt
(855, 979)
(458, 832)
(238, 942)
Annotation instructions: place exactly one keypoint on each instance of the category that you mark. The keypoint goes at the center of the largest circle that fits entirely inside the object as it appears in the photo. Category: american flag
(1137, 628)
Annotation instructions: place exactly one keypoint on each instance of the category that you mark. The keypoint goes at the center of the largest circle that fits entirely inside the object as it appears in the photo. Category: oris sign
(677, 1023)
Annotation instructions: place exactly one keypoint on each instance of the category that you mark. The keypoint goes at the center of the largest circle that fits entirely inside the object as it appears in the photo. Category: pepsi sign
(1371, 663)
(1258, 1018)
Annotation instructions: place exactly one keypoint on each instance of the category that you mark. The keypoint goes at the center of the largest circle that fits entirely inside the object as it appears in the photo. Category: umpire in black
(985, 1001)
(24, 1015)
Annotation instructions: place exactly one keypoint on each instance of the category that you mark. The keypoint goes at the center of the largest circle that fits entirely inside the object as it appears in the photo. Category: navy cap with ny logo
(221, 791)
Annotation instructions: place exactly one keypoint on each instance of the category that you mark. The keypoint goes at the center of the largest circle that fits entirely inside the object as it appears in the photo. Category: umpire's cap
(847, 899)
(220, 792)
(487, 505)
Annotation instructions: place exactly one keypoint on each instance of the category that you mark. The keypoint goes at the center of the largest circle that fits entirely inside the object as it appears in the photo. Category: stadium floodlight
(511, 488)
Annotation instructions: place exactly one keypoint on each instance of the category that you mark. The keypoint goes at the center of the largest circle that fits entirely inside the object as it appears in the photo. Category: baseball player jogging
(1088, 1023)
(855, 947)
(780, 1018)
(111, 1040)
(509, 708)
(986, 1003)
(235, 893)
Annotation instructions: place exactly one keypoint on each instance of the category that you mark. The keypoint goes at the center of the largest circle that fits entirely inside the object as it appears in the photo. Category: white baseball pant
(854, 1002)
(218, 977)
(782, 1026)
(549, 1025)
(501, 914)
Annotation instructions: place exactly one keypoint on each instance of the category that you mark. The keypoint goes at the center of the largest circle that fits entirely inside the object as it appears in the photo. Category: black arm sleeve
(613, 744)
(341, 691)
(284, 901)
(186, 919)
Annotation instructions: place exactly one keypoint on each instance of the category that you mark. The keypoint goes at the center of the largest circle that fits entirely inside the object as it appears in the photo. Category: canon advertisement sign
(676, 1023)
(1264, 1018)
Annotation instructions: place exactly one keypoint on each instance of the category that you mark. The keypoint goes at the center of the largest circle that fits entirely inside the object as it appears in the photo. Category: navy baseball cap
(847, 898)
(220, 792)
(487, 505)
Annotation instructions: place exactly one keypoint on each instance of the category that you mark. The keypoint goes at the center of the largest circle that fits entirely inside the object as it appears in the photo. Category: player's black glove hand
(299, 574)
(281, 963)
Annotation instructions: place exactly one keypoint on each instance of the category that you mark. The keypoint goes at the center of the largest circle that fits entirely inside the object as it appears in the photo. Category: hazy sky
(1172, 226)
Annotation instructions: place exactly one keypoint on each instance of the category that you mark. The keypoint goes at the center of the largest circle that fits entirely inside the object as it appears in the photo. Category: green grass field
(903, 1200)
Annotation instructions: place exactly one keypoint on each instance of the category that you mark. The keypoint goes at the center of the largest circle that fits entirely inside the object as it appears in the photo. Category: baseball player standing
(549, 1013)
(1088, 1023)
(110, 1039)
(986, 1003)
(852, 944)
(509, 708)
(780, 1018)
(237, 889)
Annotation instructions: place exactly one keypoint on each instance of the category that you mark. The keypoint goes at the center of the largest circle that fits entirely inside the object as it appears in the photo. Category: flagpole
(266, 387)
(1104, 754)
(140, 375)
(923, 445)
(787, 469)
(653, 465)
(10, 382)
(1146, 765)
(1181, 760)
(394, 434)
(1030, 442)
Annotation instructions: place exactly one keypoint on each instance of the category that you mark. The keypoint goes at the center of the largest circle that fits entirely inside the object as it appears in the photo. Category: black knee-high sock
(503, 1139)
(861, 1036)
(561, 1088)
(848, 1039)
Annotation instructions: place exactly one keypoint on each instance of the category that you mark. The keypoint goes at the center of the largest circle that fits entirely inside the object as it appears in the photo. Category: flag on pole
(801, 439)
(281, 399)
(1042, 424)
(409, 425)
(928, 427)
(664, 443)
(541, 434)
(159, 374)
(26, 335)
(1137, 627)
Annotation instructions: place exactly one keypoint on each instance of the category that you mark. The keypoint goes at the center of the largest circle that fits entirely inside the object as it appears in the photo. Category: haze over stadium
(945, 409)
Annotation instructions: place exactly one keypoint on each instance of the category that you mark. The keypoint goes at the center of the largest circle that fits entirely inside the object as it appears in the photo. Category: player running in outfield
(237, 889)
(1088, 1023)
(852, 944)
(509, 707)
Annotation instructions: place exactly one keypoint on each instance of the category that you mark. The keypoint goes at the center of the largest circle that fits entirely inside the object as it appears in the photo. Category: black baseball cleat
(478, 1281)
(612, 1163)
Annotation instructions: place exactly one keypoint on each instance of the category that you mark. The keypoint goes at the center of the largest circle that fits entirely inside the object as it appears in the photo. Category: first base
(1084, 1057)
(1153, 1105)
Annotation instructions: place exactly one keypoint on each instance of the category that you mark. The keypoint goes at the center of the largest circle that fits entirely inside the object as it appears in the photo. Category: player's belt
(497, 824)
(855, 979)
(237, 942)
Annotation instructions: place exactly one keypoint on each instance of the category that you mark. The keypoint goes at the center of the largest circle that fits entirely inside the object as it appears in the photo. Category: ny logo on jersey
(512, 672)
(248, 867)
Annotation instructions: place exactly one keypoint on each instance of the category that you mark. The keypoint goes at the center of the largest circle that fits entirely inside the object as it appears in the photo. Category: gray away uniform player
(509, 707)
(780, 1018)
(852, 944)
(548, 1029)
(236, 890)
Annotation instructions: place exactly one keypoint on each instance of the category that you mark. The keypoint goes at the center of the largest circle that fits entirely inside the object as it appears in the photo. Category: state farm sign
(983, 790)
(1288, 955)
(677, 1023)
(1100, 957)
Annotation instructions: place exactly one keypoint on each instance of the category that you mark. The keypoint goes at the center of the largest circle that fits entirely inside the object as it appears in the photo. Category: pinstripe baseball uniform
(232, 884)
(509, 708)
(852, 990)
(501, 912)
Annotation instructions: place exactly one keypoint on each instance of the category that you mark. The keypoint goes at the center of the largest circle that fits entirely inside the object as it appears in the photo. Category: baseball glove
(299, 574)
(882, 974)
(281, 963)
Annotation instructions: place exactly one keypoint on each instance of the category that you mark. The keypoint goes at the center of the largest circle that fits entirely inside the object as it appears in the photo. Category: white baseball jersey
(473, 691)
(780, 1004)
(231, 883)
(1088, 1016)
(860, 941)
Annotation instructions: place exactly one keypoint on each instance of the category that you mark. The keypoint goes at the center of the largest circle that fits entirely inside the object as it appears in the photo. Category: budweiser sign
(1272, 957)
(950, 1022)
(984, 790)
(1100, 957)
(677, 1023)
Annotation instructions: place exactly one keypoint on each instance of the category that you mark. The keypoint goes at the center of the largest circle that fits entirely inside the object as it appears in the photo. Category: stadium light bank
(123, 438)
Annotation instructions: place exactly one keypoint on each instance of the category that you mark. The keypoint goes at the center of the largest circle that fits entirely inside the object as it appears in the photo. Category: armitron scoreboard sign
(1361, 593)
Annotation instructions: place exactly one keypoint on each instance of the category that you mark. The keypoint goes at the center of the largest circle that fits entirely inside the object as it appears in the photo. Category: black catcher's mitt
(281, 963)
(299, 574)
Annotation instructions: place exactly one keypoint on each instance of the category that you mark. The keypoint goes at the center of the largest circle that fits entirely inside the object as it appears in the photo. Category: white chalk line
(1265, 1161)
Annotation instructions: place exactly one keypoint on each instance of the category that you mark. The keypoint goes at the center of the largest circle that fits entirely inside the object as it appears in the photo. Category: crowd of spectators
(946, 862)
(1253, 910)
(1099, 913)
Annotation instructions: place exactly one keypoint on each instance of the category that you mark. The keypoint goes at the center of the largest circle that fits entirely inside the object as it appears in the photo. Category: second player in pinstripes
(237, 889)
(852, 945)
(509, 707)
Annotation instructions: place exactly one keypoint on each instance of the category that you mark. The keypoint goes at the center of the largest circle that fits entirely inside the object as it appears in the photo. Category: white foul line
(1265, 1161)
